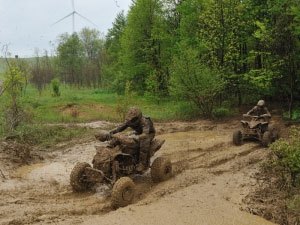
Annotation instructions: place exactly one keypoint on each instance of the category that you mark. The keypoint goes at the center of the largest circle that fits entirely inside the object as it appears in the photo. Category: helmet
(261, 103)
(133, 113)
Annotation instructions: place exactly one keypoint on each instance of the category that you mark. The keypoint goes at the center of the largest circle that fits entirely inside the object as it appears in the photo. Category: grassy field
(85, 105)
(82, 105)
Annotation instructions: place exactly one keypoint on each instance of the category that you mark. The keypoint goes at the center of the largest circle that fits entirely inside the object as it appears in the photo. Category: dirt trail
(211, 177)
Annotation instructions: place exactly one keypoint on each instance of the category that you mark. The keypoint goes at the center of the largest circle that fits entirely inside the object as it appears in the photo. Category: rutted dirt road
(211, 178)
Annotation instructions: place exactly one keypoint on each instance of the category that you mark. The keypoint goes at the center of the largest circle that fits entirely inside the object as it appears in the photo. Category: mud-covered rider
(144, 133)
(259, 110)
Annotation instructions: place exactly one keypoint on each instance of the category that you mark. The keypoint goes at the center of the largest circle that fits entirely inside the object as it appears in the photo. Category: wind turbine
(73, 13)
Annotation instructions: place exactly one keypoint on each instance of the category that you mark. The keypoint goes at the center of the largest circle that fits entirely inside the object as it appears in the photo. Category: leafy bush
(221, 112)
(196, 82)
(295, 115)
(288, 152)
(55, 84)
(14, 83)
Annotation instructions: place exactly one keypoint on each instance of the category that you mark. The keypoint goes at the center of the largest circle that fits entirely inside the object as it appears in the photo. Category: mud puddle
(211, 177)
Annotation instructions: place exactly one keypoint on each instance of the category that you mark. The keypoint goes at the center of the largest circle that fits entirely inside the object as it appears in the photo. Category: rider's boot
(143, 162)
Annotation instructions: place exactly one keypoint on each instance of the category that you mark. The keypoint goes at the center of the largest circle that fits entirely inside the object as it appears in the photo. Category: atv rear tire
(266, 139)
(76, 178)
(161, 169)
(123, 192)
(237, 137)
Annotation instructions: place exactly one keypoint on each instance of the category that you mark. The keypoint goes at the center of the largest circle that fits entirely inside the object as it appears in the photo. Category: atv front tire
(77, 177)
(266, 139)
(123, 192)
(161, 169)
(237, 137)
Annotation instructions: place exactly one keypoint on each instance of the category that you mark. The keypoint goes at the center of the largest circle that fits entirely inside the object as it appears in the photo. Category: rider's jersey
(143, 126)
(258, 111)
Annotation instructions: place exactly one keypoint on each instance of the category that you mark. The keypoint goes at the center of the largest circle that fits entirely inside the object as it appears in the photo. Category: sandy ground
(211, 178)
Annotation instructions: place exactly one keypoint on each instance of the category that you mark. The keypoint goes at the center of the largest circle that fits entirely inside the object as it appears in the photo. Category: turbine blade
(63, 18)
(73, 7)
(86, 19)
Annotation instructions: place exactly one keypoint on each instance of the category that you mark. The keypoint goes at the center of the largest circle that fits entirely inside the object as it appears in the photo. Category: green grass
(48, 136)
(84, 105)
(2, 68)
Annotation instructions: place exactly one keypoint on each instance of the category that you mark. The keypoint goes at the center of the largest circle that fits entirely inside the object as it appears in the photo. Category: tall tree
(112, 66)
(93, 47)
(144, 46)
(70, 52)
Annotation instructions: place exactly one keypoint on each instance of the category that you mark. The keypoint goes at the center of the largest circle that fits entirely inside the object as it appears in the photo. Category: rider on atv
(144, 133)
(260, 110)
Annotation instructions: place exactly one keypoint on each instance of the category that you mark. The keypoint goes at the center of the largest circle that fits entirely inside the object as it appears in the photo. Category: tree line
(209, 52)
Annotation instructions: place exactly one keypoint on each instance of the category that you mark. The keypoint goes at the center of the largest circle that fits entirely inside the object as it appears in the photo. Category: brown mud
(211, 179)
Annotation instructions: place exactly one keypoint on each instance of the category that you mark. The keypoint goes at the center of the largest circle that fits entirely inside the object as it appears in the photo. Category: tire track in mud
(209, 162)
(36, 203)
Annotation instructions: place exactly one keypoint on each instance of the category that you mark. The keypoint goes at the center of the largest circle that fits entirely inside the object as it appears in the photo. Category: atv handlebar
(263, 116)
(103, 136)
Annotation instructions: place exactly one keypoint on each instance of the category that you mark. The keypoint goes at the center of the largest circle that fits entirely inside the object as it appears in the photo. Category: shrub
(14, 83)
(221, 112)
(295, 115)
(288, 152)
(194, 81)
(55, 84)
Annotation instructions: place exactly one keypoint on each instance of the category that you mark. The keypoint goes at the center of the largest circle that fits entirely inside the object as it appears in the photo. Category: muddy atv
(115, 166)
(257, 128)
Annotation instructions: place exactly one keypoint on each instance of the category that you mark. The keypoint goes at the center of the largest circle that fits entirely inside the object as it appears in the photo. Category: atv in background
(257, 128)
(114, 164)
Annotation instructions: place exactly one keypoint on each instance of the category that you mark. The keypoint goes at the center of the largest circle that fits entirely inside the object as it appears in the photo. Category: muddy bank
(273, 196)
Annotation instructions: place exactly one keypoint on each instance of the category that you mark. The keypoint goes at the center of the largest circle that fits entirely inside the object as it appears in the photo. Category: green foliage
(295, 115)
(70, 58)
(221, 112)
(112, 66)
(195, 82)
(125, 102)
(288, 151)
(47, 136)
(240, 39)
(14, 82)
(55, 84)
(144, 46)
(261, 80)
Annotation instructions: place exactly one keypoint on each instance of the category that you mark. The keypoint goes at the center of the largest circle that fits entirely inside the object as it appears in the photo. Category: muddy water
(211, 179)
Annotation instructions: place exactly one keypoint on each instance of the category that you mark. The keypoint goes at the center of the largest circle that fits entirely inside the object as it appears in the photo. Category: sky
(28, 24)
